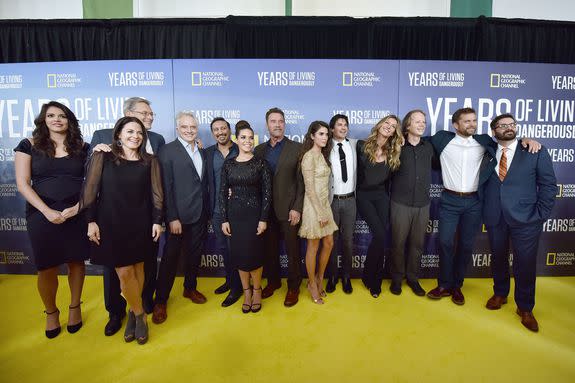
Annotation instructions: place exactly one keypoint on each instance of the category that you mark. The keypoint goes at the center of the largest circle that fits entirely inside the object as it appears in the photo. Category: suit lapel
(186, 157)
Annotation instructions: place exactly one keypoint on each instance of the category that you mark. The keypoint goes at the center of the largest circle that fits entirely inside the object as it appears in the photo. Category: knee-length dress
(58, 182)
(250, 183)
(316, 206)
(125, 199)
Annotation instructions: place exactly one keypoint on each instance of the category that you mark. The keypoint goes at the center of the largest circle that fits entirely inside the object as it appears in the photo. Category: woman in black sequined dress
(245, 200)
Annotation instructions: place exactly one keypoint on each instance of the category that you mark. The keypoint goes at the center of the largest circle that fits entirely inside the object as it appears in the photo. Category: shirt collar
(511, 147)
(187, 145)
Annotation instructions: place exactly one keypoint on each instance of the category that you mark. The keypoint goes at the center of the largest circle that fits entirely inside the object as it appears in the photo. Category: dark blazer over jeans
(515, 209)
(287, 191)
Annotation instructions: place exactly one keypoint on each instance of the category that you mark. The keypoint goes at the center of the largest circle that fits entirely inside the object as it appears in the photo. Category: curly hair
(117, 150)
(73, 143)
(392, 147)
(308, 142)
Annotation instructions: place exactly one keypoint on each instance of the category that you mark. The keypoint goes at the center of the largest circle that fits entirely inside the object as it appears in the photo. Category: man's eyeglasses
(145, 114)
(505, 126)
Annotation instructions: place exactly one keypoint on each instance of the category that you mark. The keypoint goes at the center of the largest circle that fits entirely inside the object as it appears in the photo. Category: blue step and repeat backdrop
(541, 96)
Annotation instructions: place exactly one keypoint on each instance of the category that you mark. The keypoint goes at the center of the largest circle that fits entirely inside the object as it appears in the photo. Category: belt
(460, 194)
(344, 196)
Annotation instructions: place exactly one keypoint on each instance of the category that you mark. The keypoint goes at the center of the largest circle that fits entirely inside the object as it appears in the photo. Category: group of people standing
(279, 190)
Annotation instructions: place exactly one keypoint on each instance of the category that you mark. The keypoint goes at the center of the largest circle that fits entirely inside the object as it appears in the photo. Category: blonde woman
(378, 157)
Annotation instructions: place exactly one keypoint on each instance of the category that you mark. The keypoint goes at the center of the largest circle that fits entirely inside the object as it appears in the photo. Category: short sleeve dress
(250, 183)
(58, 182)
(125, 199)
(316, 175)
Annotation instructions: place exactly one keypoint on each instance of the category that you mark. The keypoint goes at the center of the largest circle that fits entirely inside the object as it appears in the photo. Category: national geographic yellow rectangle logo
(551, 259)
(196, 78)
(495, 79)
(51, 80)
(3, 258)
(559, 191)
(347, 78)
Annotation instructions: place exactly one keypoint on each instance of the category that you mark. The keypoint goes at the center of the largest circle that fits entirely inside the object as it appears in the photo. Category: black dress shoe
(232, 298)
(375, 291)
(395, 287)
(346, 285)
(148, 305)
(331, 283)
(416, 288)
(222, 289)
(114, 324)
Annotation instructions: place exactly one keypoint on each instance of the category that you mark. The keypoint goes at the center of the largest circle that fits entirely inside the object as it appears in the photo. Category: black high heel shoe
(245, 307)
(55, 331)
(256, 306)
(73, 328)
(141, 329)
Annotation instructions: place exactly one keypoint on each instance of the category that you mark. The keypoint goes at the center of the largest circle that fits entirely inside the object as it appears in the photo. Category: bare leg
(310, 261)
(327, 245)
(48, 287)
(257, 293)
(245, 278)
(76, 273)
(131, 286)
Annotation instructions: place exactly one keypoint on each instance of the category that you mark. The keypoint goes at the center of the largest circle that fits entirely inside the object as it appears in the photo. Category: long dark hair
(41, 134)
(117, 146)
(308, 142)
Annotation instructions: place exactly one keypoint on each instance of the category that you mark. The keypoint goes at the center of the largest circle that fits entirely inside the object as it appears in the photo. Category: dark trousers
(461, 215)
(272, 268)
(223, 248)
(344, 214)
(408, 226)
(375, 212)
(115, 302)
(525, 242)
(190, 244)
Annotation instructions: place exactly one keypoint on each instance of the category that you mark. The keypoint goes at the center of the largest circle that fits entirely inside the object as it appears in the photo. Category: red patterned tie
(503, 165)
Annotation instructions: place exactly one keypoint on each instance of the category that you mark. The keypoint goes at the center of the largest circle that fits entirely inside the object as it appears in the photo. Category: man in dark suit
(282, 154)
(223, 149)
(115, 304)
(517, 199)
(186, 201)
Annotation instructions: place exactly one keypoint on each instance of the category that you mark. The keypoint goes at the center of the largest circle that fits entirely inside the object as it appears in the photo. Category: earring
(119, 143)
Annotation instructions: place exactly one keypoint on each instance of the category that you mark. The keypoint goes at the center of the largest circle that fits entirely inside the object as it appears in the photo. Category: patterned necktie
(342, 162)
(503, 165)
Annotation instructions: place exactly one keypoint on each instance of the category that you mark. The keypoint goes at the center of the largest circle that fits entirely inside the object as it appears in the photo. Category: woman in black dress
(49, 174)
(123, 197)
(245, 200)
(378, 156)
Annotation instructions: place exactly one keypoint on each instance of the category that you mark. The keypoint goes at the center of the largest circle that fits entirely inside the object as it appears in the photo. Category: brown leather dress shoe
(457, 296)
(495, 302)
(268, 291)
(438, 293)
(528, 320)
(195, 296)
(292, 297)
(160, 314)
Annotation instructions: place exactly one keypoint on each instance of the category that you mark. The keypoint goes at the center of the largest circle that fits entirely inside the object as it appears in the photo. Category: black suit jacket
(104, 136)
(288, 187)
(213, 193)
(185, 194)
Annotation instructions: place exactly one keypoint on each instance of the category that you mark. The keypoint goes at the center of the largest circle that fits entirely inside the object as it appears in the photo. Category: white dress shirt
(340, 187)
(149, 149)
(509, 154)
(460, 163)
(195, 155)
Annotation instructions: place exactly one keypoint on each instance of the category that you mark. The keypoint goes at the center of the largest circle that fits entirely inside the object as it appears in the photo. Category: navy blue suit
(222, 241)
(186, 200)
(461, 215)
(115, 303)
(515, 209)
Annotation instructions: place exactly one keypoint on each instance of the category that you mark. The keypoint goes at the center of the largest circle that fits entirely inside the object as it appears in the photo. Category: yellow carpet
(349, 339)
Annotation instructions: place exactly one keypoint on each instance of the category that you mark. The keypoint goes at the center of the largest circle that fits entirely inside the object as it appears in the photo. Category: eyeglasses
(505, 126)
(145, 114)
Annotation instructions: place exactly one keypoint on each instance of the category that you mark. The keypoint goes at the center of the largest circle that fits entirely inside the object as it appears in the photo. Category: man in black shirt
(410, 204)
